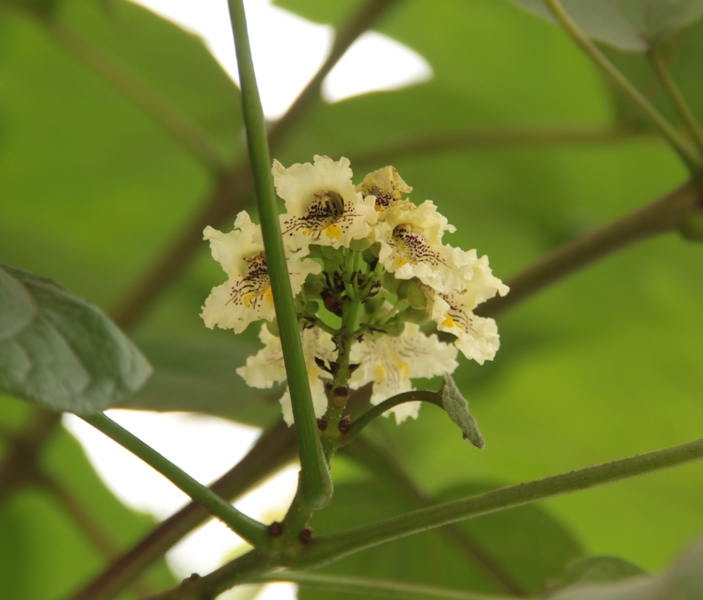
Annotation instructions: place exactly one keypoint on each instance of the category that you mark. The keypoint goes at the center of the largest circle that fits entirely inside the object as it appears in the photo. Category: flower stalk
(315, 479)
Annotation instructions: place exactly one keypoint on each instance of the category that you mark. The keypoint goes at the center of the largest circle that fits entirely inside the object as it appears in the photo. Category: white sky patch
(204, 447)
(288, 50)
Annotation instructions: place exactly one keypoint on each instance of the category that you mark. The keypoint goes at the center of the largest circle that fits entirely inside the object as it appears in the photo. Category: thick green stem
(677, 97)
(688, 153)
(247, 528)
(373, 587)
(330, 548)
(324, 550)
(274, 449)
(315, 479)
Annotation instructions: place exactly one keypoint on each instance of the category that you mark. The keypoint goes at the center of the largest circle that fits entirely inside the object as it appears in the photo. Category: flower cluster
(369, 271)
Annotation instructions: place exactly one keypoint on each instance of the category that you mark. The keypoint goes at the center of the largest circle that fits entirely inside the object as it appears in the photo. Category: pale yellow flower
(322, 204)
(266, 368)
(391, 362)
(246, 295)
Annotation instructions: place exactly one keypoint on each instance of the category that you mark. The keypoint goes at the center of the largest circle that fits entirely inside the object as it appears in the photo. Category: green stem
(688, 153)
(324, 550)
(159, 109)
(315, 479)
(247, 528)
(390, 473)
(677, 97)
(661, 216)
(372, 587)
(333, 547)
(376, 411)
(275, 448)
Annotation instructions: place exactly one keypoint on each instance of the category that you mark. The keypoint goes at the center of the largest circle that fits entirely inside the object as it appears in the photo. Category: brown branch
(661, 216)
(21, 465)
(482, 138)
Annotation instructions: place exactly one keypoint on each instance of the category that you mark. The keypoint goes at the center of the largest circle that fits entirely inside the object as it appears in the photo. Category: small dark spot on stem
(345, 424)
(341, 390)
(321, 424)
(305, 535)
(275, 529)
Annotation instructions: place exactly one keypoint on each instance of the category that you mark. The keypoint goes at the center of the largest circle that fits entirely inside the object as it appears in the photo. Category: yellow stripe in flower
(333, 231)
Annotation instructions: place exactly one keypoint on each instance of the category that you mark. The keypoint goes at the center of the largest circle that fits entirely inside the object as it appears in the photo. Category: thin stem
(315, 479)
(247, 528)
(372, 587)
(387, 470)
(486, 138)
(677, 97)
(163, 112)
(274, 448)
(663, 215)
(376, 411)
(688, 153)
(333, 547)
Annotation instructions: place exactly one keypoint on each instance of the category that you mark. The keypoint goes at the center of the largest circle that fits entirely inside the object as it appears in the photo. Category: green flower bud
(359, 245)
(310, 309)
(395, 327)
(272, 326)
(419, 316)
(414, 295)
(373, 303)
(390, 282)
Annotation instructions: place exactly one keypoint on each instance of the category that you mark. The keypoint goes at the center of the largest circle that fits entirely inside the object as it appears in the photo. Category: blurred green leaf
(684, 579)
(200, 376)
(630, 25)
(597, 569)
(60, 351)
(505, 540)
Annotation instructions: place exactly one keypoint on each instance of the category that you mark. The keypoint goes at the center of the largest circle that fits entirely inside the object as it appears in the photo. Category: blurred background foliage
(603, 365)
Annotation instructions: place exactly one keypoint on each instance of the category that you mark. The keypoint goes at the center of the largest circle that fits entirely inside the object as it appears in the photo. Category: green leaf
(630, 25)
(457, 408)
(506, 541)
(597, 569)
(60, 351)
(684, 579)
(199, 375)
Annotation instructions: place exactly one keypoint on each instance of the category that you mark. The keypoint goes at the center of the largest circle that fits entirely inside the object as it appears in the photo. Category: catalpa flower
(390, 363)
(322, 204)
(477, 337)
(266, 367)
(246, 295)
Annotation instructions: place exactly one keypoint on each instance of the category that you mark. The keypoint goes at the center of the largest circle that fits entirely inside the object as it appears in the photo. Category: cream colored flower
(246, 295)
(266, 368)
(322, 205)
(390, 363)
(477, 337)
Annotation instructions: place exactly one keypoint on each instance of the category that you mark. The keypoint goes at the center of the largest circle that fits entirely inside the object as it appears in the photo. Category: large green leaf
(631, 25)
(506, 541)
(114, 186)
(60, 351)
(199, 376)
